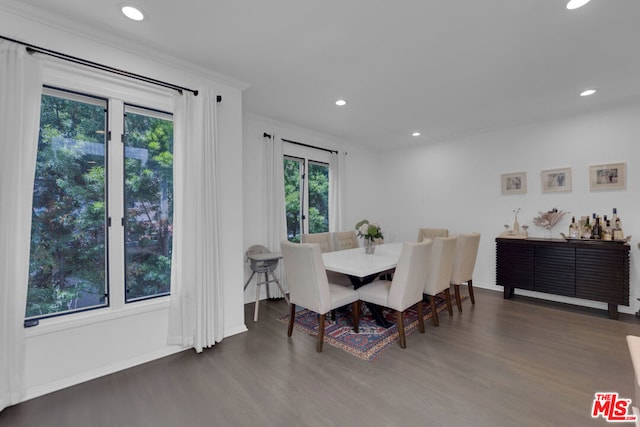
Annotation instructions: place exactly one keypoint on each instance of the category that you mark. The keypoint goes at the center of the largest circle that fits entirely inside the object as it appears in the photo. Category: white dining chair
(463, 264)
(432, 233)
(323, 239)
(633, 343)
(439, 274)
(344, 240)
(406, 288)
(309, 287)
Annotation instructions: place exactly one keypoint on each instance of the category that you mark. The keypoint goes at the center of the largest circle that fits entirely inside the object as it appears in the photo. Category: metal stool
(263, 261)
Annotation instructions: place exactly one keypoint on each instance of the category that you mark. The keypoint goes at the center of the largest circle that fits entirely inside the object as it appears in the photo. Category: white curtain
(20, 91)
(336, 192)
(276, 218)
(196, 316)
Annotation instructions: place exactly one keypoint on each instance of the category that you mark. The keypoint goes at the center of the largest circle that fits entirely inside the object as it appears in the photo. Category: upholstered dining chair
(405, 290)
(432, 233)
(309, 287)
(463, 264)
(345, 240)
(633, 343)
(439, 274)
(323, 239)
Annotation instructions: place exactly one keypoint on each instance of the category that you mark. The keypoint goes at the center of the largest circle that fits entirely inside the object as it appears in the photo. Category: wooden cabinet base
(592, 270)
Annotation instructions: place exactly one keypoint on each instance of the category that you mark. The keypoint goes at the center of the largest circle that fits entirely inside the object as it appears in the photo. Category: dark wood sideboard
(587, 269)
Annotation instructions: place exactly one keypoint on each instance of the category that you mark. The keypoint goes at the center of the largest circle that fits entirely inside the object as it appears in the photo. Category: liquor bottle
(616, 218)
(607, 232)
(617, 230)
(574, 232)
(586, 231)
(596, 230)
(581, 224)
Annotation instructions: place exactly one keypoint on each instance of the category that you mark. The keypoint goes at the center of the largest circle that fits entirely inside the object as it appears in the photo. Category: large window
(148, 202)
(78, 260)
(306, 196)
(68, 235)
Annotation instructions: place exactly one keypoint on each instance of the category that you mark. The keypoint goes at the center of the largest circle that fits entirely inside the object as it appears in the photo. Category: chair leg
(292, 318)
(434, 310)
(420, 318)
(456, 289)
(470, 286)
(320, 333)
(249, 281)
(355, 311)
(401, 336)
(447, 295)
(275, 279)
(266, 284)
(255, 311)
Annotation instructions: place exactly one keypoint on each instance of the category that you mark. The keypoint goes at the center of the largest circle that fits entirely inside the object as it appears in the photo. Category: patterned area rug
(372, 339)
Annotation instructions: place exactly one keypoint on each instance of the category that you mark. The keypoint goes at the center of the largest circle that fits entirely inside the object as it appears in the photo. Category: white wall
(70, 349)
(456, 184)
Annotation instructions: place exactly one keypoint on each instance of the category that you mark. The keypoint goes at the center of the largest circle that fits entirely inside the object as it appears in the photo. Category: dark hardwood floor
(520, 362)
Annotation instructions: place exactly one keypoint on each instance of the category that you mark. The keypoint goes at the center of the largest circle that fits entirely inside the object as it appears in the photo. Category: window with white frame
(148, 194)
(102, 203)
(306, 195)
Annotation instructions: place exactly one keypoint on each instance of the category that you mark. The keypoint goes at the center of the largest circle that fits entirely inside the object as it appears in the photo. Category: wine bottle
(574, 233)
(581, 224)
(596, 230)
(607, 232)
(586, 231)
(617, 230)
(616, 217)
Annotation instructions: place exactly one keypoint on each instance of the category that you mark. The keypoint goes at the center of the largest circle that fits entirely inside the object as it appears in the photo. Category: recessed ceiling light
(133, 13)
(575, 4)
(415, 134)
(341, 102)
(588, 92)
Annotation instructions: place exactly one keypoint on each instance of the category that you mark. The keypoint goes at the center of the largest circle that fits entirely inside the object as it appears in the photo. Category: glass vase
(369, 246)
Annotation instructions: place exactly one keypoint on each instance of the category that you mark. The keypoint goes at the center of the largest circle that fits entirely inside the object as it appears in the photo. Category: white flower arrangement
(369, 230)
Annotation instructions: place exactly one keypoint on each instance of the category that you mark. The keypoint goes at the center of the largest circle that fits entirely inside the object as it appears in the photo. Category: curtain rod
(266, 135)
(33, 49)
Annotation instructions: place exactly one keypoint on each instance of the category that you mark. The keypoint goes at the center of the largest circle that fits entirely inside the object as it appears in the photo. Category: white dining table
(355, 262)
(363, 268)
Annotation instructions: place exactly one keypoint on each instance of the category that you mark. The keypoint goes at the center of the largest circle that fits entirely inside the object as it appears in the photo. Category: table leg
(374, 309)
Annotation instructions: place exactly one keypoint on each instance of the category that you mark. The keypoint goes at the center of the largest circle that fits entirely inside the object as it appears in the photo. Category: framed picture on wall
(514, 183)
(612, 176)
(556, 180)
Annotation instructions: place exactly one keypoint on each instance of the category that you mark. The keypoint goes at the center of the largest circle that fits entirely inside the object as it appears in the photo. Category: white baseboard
(240, 329)
(97, 373)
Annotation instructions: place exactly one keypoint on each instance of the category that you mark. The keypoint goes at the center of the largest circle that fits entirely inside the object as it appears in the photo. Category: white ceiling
(446, 68)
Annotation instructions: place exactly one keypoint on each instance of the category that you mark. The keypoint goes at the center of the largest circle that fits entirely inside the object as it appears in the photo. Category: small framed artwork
(612, 176)
(514, 183)
(556, 180)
